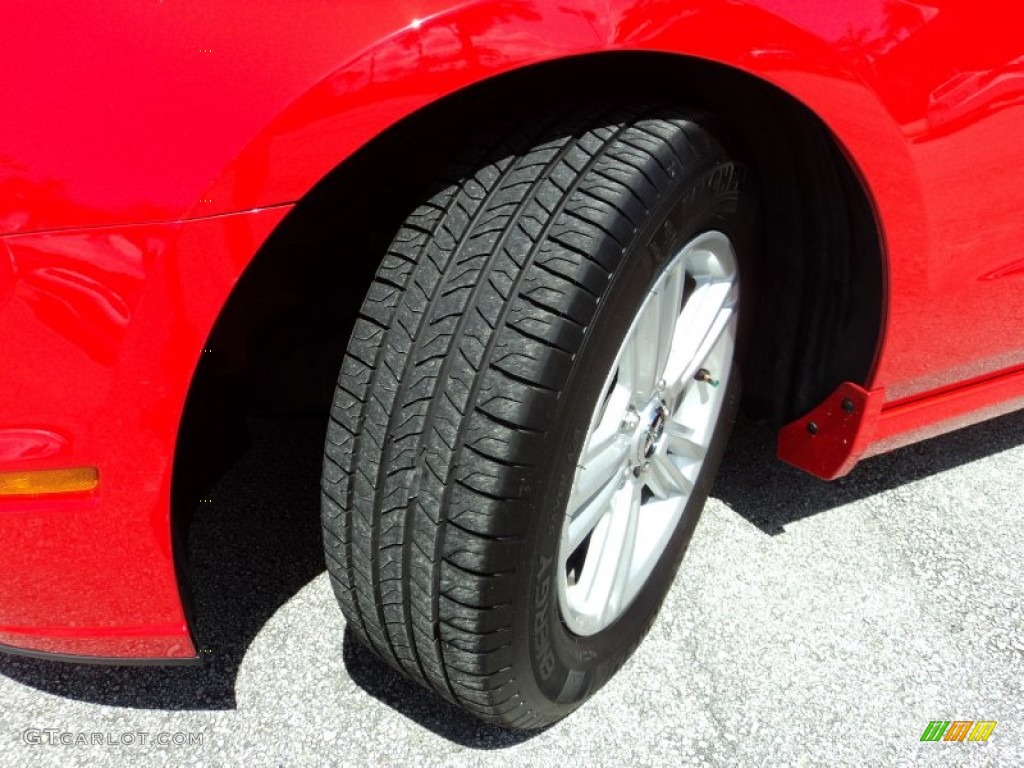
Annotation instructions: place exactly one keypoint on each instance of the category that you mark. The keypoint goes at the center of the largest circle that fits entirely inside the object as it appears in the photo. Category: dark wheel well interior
(819, 285)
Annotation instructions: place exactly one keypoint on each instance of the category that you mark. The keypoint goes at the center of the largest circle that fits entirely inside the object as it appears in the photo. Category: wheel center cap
(651, 428)
(654, 432)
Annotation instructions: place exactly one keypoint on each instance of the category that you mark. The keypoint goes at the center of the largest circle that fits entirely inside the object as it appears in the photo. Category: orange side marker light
(44, 481)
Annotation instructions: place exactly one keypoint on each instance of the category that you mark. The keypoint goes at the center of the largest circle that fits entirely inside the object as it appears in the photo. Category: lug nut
(630, 422)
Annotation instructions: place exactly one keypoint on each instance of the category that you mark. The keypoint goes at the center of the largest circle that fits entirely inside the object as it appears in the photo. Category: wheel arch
(821, 282)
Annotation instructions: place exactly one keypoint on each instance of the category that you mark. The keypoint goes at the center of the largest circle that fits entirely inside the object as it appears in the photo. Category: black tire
(467, 388)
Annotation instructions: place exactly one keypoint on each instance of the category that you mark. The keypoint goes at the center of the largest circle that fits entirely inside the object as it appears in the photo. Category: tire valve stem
(705, 375)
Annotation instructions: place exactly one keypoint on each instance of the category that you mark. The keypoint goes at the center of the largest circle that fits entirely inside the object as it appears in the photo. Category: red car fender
(105, 327)
(436, 56)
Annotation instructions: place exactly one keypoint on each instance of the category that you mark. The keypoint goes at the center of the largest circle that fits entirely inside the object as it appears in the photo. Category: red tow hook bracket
(830, 440)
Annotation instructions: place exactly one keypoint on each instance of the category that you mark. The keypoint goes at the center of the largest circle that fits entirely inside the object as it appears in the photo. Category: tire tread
(452, 378)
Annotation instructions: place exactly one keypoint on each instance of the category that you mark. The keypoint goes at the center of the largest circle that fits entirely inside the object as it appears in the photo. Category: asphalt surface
(811, 624)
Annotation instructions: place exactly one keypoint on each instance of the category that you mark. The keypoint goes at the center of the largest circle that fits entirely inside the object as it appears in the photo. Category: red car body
(148, 149)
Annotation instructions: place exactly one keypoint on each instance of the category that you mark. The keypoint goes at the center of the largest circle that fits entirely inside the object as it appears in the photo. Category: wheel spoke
(610, 582)
(599, 467)
(621, 583)
(669, 308)
(681, 442)
(649, 347)
(607, 427)
(666, 479)
(589, 514)
(640, 356)
(704, 319)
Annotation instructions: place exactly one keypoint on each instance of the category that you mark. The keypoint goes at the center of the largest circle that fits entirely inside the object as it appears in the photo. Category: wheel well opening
(818, 285)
